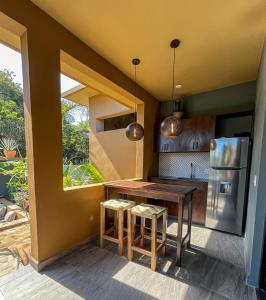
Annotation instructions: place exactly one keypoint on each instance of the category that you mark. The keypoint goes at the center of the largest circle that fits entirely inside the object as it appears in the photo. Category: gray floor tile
(207, 273)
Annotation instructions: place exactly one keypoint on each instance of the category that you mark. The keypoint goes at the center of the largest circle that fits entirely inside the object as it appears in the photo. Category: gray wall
(257, 194)
(235, 99)
(231, 99)
(228, 127)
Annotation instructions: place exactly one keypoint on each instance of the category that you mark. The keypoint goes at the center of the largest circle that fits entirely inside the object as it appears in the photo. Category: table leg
(189, 220)
(142, 231)
(120, 231)
(102, 225)
(164, 232)
(153, 243)
(116, 223)
(179, 232)
(130, 237)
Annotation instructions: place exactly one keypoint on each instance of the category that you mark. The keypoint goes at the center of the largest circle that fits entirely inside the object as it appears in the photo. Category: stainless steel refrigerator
(227, 185)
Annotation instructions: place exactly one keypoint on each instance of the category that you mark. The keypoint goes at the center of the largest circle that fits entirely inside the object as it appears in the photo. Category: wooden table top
(168, 192)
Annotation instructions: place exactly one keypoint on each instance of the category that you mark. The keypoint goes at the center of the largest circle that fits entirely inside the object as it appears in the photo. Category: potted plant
(9, 147)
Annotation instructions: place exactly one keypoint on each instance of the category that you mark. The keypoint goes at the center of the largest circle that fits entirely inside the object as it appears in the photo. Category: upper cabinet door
(205, 131)
(188, 136)
(195, 136)
(164, 144)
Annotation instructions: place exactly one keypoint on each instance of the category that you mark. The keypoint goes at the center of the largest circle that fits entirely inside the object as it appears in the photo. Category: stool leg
(120, 231)
(130, 233)
(164, 231)
(142, 230)
(154, 242)
(133, 226)
(115, 224)
(102, 225)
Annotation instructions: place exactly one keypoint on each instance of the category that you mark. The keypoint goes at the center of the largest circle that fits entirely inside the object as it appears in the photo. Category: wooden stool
(152, 212)
(119, 206)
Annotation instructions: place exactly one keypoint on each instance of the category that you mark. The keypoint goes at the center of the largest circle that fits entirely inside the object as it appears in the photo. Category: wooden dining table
(182, 195)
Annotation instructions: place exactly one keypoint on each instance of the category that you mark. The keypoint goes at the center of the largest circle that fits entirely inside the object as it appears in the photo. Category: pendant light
(171, 126)
(135, 131)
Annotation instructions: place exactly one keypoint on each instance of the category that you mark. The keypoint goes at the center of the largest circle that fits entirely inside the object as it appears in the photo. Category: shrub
(81, 175)
(18, 182)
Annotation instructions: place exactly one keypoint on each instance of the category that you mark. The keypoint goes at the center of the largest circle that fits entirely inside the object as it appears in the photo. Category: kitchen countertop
(178, 178)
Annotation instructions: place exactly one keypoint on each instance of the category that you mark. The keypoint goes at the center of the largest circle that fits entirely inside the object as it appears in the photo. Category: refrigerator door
(225, 203)
(229, 152)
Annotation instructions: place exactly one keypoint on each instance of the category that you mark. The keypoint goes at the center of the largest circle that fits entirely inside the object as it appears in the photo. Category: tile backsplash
(179, 164)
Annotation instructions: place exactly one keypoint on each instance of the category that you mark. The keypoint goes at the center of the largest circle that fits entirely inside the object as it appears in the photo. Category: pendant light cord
(135, 91)
(173, 81)
(173, 76)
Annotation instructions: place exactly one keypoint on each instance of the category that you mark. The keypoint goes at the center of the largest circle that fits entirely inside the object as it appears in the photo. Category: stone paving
(14, 248)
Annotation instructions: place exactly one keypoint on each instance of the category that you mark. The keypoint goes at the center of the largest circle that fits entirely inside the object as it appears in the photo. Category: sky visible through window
(11, 60)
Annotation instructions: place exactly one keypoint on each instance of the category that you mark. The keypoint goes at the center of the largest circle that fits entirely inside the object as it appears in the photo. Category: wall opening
(110, 110)
(14, 190)
(78, 169)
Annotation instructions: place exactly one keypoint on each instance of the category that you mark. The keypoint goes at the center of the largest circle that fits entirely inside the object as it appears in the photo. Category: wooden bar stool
(152, 212)
(119, 206)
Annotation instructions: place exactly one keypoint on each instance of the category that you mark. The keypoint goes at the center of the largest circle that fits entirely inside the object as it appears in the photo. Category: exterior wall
(255, 226)
(61, 219)
(110, 151)
(227, 100)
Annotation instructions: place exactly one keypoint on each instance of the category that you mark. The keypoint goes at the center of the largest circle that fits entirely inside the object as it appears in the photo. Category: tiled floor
(14, 248)
(213, 269)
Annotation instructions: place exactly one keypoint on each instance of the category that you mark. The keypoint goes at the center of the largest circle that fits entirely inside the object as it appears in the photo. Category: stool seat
(147, 210)
(116, 204)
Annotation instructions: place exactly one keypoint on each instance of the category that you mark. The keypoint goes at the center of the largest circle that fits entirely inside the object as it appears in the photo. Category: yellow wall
(110, 151)
(61, 219)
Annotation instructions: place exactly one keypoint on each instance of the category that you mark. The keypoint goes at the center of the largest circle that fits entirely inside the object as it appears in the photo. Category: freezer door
(226, 197)
(229, 152)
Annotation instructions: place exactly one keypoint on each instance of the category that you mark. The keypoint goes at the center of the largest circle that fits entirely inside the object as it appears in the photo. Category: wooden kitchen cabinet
(167, 144)
(199, 202)
(195, 136)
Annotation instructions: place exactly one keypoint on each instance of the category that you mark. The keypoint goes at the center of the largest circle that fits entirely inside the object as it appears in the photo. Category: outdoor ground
(14, 248)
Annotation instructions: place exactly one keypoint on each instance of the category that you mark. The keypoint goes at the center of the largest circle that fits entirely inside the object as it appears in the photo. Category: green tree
(74, 121)
(75, 132)
(11, 110)
(9, 90)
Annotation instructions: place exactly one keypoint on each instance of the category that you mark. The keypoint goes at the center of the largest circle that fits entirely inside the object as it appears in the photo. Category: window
(115, 122)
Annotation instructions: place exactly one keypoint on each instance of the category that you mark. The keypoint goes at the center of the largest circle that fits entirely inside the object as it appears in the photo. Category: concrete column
(41, 80)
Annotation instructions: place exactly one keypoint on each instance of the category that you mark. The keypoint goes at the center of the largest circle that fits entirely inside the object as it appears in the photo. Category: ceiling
(221, 41)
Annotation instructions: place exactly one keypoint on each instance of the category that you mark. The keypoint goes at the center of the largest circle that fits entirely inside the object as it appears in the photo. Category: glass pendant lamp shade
(134, 131)
(171, 127)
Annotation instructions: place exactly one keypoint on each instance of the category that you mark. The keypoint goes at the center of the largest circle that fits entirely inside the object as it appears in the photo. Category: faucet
(191, 170)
